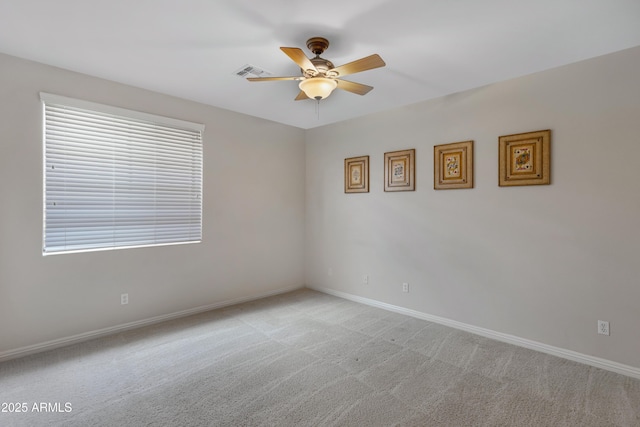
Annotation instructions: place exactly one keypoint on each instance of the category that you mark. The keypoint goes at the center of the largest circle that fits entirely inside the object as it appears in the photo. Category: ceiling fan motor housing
(317, 45)
(322, 65)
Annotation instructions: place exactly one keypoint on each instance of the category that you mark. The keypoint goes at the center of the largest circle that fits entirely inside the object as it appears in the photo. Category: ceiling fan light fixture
(319, 76)
(318, 87)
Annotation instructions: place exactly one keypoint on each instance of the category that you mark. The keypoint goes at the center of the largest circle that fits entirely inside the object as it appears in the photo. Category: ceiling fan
(319, 76)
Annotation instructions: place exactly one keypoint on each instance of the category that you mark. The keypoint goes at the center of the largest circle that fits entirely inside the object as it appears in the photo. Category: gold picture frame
(400, 170)
(356, 174)
(525, 159)
(453, 165)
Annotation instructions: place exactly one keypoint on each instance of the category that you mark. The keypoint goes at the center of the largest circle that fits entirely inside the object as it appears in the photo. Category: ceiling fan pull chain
(317, 109)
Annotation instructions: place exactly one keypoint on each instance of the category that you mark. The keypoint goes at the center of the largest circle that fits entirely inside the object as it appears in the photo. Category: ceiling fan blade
(298, 56)
(363, 64)
(271, 79)
(352, 87)
(301, 96)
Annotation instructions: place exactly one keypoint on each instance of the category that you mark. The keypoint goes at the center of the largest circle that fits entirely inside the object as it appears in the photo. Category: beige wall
(542, 263)
(252, 229)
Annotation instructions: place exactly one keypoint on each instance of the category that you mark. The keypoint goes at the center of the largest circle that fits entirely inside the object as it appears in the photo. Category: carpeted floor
(309, 359)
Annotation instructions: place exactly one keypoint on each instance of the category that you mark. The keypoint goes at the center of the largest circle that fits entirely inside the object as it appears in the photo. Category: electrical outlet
(330, 272)
(365, 279)
(405, 287)
(603, 327)
(124, 299)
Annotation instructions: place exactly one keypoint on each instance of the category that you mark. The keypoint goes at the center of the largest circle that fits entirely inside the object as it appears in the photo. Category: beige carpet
(309, 359)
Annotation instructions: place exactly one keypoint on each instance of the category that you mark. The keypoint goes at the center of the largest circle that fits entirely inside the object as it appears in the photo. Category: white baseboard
(61, 342)
(597, 362)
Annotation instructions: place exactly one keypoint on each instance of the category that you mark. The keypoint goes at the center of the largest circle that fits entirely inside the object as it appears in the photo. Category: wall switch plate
(365, 279)
(603, 327)
(405, 287)
(124, 299)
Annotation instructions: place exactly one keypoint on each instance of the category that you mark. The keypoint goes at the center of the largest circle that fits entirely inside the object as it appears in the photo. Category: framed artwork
(453, 165)
(524, 159)
(356, 174)
(400, 170)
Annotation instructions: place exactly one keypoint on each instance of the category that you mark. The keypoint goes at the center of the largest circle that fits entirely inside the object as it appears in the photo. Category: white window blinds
(115, 178)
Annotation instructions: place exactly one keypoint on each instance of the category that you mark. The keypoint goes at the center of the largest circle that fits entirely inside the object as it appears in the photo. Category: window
(115, 178)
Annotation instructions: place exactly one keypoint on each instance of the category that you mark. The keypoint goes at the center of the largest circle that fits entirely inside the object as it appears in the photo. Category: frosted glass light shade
(318, 87)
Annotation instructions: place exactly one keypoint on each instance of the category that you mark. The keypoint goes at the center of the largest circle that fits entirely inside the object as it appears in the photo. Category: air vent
(251, 71)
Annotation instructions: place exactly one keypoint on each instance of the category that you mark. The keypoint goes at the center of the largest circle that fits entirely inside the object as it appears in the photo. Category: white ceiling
(191, 48)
